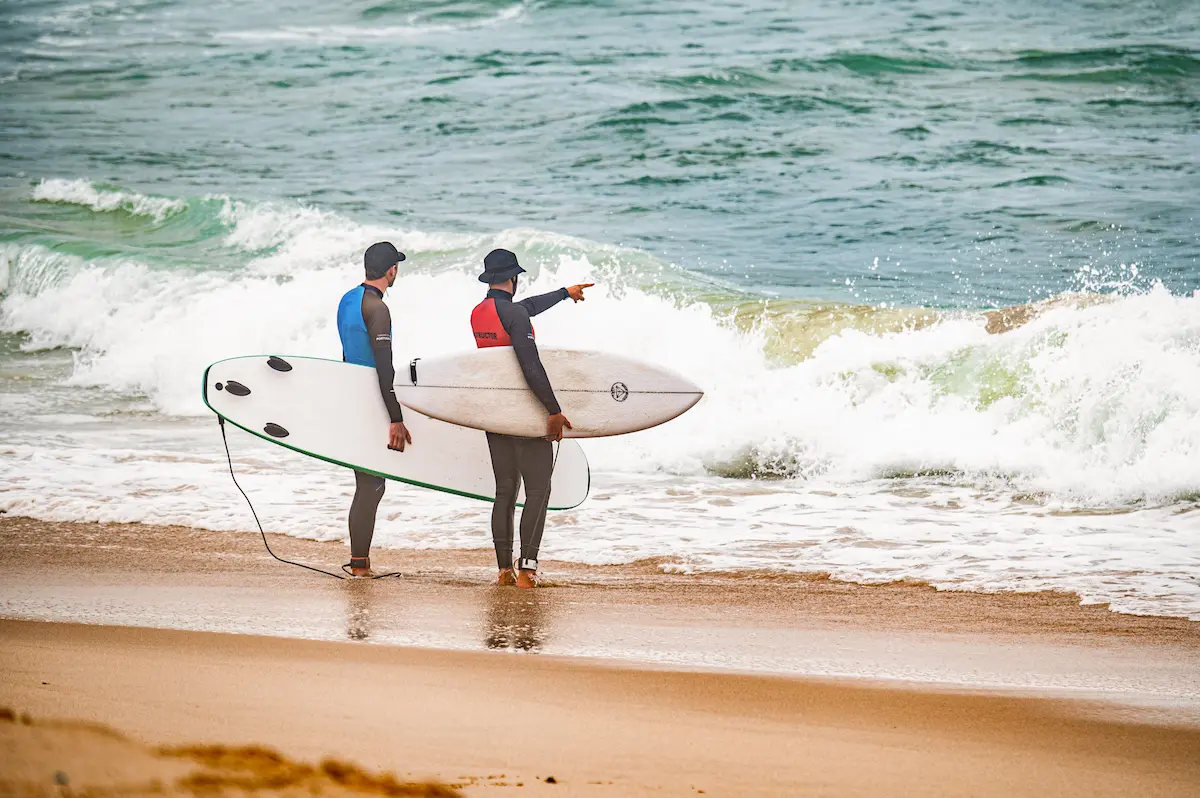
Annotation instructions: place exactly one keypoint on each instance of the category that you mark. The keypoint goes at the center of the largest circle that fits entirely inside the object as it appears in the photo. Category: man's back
(498, 321)
(364, 323)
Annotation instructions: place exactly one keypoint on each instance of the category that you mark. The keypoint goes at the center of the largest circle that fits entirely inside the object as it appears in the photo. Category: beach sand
(58, 757)
(494, 724)
(613, 681)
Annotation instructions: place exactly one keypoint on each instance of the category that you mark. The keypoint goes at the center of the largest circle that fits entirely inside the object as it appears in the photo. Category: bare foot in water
(361, 567)
(507, 578)
(527, 579)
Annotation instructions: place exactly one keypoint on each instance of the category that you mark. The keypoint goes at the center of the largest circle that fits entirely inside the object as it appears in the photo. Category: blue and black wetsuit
(365, 327)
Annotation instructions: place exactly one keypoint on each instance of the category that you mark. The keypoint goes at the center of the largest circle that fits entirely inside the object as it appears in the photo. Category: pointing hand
(576, 291)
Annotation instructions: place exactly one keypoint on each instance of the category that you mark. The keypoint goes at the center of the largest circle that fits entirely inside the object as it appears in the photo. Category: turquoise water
(934, 153)
(807, 208)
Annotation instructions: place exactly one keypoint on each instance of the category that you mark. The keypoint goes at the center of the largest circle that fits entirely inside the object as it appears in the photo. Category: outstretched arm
(542, 302)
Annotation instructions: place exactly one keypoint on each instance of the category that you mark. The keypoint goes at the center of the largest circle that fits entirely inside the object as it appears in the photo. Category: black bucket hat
(498, 266)
(379, 258)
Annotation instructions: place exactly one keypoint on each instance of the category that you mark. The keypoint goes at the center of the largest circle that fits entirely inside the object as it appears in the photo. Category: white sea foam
(82, 192)
(1064, 454)
(1097, 405)
(286, 238)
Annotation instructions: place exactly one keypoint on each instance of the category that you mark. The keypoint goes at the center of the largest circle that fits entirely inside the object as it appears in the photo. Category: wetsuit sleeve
(379, 330)
(514, 318)
(542, 302)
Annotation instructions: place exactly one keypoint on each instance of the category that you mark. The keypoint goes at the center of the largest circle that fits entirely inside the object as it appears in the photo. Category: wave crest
(106, 200)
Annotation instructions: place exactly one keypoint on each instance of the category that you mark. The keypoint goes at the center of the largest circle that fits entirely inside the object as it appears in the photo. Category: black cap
(498, 266)
(379, 258)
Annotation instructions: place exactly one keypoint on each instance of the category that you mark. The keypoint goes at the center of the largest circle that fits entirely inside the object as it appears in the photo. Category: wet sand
(616, 681)
(180, 578)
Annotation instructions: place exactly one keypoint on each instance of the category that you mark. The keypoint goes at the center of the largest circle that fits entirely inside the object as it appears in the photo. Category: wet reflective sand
(173, 578)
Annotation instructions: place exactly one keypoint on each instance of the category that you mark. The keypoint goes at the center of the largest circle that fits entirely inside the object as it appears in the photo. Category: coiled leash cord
(229, 459)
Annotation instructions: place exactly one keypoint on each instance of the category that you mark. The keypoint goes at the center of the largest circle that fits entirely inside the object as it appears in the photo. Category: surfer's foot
(527, 579)
(507, 578)
(361, 567)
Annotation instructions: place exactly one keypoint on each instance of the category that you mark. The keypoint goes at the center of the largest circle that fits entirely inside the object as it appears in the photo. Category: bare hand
(398, 436)
(554, 427)
(576, 293)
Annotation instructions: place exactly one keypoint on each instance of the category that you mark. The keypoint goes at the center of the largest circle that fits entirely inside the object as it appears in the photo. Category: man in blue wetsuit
(365, 327)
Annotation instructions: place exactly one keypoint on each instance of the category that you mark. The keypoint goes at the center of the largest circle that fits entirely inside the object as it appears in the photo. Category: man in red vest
(498, 321)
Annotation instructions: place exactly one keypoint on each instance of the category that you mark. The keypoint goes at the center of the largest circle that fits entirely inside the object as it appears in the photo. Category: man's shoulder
(373, 300)
(515, 309)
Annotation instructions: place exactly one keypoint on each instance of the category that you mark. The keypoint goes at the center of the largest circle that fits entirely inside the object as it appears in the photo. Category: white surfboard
(332, 411)
(601, 394)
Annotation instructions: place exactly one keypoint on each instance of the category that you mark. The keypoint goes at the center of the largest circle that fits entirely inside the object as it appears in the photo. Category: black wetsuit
(365, 327)
(498, 321)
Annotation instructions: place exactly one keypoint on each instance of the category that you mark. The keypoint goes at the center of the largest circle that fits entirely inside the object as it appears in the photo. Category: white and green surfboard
(332, 411)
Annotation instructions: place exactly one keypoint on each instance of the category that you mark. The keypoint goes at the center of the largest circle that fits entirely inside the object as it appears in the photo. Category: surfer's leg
(508, 481)
(535, 457)
(368, 490)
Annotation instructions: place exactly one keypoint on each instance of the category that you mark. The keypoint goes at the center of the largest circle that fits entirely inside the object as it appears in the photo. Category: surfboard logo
(619, 391)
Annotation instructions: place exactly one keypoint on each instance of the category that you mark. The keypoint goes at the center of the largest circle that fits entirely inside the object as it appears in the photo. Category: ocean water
(936, 264)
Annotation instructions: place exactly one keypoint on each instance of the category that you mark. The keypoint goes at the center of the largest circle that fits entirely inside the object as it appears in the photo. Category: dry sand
(49, 758)
(489, 722)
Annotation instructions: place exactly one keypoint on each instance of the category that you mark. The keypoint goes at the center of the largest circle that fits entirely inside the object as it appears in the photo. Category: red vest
(485, 322)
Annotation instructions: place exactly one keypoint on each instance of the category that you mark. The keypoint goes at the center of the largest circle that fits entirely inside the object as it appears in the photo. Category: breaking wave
(1088, 398)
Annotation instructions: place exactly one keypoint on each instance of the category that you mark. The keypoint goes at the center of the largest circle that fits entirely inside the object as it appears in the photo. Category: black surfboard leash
(229, 460)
